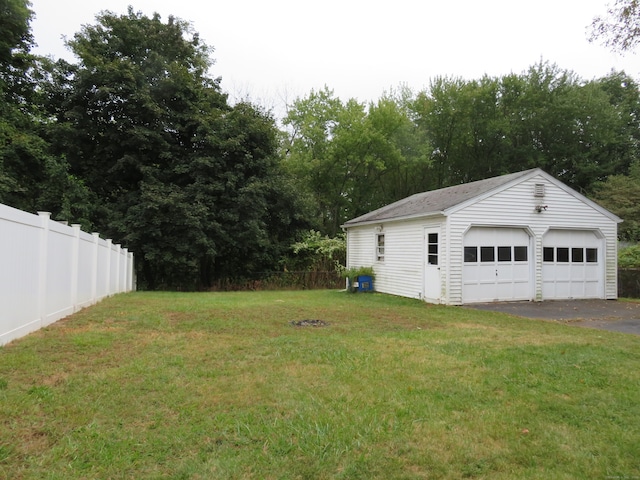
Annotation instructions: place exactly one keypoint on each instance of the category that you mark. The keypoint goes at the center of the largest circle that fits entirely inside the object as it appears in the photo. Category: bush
(629, 257)
(352, 274)
(316, 252)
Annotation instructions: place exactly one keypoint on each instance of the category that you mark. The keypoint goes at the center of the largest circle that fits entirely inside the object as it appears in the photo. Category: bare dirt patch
(309, 323)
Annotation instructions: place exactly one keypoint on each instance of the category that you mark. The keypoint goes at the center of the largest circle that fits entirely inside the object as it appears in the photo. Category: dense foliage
(188, 182)
(353, 158)
(629, 257)
(138, 141)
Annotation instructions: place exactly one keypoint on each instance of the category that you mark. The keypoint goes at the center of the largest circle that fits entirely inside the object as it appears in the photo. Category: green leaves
(187, 181)
(351, 158)
(578, 131)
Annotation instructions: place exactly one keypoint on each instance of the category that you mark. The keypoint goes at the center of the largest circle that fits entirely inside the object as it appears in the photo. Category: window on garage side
(548, 254)
(380, 247)
(592, 255)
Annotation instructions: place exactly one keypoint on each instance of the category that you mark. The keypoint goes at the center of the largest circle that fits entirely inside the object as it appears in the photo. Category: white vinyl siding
(360, 247)
(402, 271)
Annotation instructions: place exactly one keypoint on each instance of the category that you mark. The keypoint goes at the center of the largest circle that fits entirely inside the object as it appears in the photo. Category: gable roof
(442, 201)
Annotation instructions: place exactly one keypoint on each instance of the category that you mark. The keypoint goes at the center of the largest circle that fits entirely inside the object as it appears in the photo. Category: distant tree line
(138, 141)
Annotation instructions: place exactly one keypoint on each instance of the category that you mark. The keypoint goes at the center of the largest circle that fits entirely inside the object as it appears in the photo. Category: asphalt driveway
(613, 315)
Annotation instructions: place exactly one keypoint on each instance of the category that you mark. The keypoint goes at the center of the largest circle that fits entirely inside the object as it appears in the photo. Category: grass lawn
(221, 385)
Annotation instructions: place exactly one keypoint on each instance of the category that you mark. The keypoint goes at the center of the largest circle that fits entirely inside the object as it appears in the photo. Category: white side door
(432, 272)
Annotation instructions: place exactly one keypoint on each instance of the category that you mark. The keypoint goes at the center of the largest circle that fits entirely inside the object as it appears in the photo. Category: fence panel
(49, 270)
(59, 277)
(104, 262)
(87, 265)
(19, 272)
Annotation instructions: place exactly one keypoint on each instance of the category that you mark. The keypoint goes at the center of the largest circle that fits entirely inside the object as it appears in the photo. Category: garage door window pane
(470, 254)
(577, 255)
(547, 254)
(592, 255)
(520, 254)
(504, 254)
(487, 254)
(562, 255)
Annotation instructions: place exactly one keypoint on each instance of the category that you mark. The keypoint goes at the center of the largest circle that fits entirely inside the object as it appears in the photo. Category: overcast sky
(276, 50)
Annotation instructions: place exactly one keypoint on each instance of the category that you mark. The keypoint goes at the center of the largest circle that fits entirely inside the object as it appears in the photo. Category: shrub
(352, 274)
(629, 257)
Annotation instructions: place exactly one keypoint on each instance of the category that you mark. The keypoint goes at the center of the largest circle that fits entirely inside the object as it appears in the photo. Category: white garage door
(496, 265)
(572, 265)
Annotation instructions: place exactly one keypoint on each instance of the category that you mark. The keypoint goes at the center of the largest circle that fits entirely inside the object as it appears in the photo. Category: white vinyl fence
(49, 270)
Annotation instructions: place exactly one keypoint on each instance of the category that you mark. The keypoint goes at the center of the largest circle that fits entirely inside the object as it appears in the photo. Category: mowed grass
(221, 385)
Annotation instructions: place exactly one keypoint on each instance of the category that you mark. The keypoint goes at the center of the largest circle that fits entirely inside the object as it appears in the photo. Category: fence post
(94, 268)
(117, 287)
(131, 272)
(75, 261)
(42, 271)
(125, 270)
(107, 269)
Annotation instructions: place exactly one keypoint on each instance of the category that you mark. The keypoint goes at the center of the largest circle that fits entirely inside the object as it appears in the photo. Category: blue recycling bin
(365, 283)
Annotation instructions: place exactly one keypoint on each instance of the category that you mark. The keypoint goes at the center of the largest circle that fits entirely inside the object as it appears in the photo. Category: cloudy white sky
(276, 50)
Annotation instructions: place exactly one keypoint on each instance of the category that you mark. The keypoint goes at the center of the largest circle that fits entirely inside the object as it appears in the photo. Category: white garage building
(522, 236)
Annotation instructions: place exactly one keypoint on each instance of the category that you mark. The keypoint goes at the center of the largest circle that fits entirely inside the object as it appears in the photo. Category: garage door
(496, 265)
(572, 265)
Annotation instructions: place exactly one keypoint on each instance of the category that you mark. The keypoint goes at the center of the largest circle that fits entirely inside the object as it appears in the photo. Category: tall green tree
(621, 195)
(579, 131)
(462, 122)
(31, 177)
(184, 179)
(18, 144)
(16, 39)
(351, 158)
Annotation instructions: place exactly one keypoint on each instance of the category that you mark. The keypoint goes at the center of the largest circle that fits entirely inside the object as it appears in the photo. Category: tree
(15, 43)
(188, 182)
(351, 159)
(619, 28)
(16, 38)
(461, 120)
(621, 195)
(31, 178)
(578, 131)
